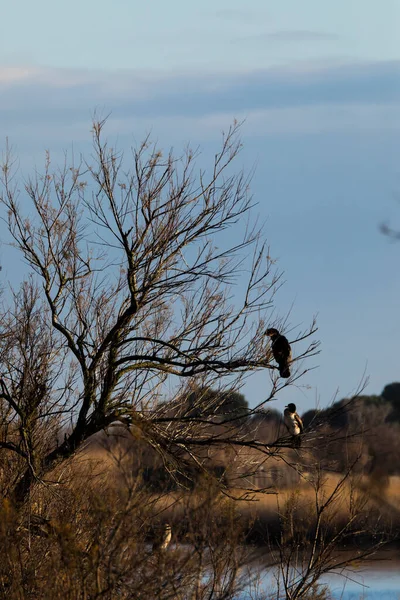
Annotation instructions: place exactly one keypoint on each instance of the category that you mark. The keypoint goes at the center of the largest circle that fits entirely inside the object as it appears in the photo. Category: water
(373, 580)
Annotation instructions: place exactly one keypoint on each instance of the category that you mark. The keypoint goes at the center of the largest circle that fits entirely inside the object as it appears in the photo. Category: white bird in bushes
(163, 541)
(293, 422)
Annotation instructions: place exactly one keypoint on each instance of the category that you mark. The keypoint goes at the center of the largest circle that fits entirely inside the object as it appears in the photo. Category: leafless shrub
(337, 515)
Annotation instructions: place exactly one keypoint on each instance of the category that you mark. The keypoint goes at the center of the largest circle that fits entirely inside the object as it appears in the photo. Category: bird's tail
(296, 441)
(284, 370)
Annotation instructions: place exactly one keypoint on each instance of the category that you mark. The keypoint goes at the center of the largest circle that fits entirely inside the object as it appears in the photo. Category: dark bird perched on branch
(293, 422)
(281, 351)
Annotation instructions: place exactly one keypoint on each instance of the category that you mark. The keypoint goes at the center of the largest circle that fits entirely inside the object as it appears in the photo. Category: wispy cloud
(155, 94)
(12, 75)
(47, 103)
(296, 35)
(235, 14)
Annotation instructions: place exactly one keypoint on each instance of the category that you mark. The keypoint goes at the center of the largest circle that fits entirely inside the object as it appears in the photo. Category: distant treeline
(365, 425)
(364, 430)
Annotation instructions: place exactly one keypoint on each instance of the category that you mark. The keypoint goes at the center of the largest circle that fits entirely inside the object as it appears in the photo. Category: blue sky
(318, 85)
(224, 34)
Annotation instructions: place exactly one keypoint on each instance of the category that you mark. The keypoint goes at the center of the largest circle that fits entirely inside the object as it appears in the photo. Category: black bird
(281, 351)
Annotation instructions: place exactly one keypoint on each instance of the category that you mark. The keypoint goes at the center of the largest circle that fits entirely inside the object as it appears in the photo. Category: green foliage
(309, 416)
(335, 415)
(206, 402)
(391, 393)
(372, 400)
(271, 415)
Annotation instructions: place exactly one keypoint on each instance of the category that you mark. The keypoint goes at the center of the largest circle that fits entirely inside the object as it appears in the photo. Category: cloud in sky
(237, 14)
(292, 36)
(302, 35)
(47, 94)
(275, 88)
(49, 108)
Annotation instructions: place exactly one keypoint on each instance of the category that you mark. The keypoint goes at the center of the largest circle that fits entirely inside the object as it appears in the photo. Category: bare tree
(148, 294)
(136, 293)
(337, 514)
